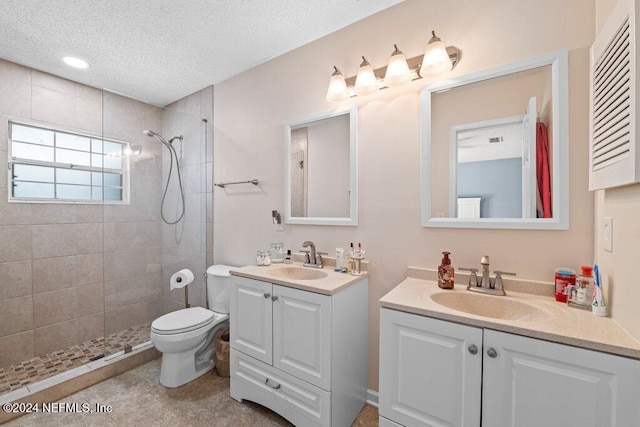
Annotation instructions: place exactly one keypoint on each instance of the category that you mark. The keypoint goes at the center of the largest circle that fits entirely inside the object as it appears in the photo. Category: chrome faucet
(312, 258)
(486, 284)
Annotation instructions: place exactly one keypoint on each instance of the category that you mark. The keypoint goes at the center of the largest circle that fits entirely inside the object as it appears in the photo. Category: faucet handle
(306, 255)
(498, 281)
(473, 278)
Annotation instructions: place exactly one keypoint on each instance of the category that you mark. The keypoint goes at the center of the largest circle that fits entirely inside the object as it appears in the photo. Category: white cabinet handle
(492, 353)
(473, 349)
(274, 298)
(276, 386)
(267, 295)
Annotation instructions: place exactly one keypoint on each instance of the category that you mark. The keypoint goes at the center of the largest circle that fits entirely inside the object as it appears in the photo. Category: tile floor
(138, 399)
(38, 368)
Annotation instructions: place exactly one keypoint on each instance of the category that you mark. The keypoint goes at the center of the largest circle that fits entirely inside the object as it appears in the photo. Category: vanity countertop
(329, 285)
(564, 325)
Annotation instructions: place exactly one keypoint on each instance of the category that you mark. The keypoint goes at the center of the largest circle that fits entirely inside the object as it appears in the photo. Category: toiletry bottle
(598, 306)
(564, 277)
(585, 286)
(288, 259)
(446, 273)
(339, 259)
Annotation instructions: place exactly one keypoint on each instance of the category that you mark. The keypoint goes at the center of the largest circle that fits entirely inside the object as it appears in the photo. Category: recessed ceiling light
(75, 62)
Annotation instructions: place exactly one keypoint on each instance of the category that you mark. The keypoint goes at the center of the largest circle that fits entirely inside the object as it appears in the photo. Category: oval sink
(296, 273)
(496, 307)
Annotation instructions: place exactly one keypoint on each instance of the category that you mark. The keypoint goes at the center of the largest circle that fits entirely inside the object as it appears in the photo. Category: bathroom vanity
(521, 360)
(299, 342)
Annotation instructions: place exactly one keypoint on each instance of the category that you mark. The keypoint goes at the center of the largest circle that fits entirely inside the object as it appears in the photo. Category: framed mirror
(495, 147)
(321, 169)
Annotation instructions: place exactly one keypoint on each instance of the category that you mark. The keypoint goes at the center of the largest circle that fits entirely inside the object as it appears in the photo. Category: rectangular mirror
(321, 169)
(495, 147)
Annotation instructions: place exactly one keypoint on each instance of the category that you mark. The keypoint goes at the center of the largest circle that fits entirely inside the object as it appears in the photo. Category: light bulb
(436, 59)
(337, 90)
(366, 80)
(398, 70)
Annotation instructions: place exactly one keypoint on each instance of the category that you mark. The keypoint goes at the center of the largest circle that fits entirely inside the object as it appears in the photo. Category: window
(47, 165)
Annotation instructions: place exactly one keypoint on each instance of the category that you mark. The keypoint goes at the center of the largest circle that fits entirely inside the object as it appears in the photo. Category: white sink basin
(496, 307)
(296, 273)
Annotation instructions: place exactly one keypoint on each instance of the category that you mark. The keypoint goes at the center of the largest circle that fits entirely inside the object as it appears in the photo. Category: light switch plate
(607, 233)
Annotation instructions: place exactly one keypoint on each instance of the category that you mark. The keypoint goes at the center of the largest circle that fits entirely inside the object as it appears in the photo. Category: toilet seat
(185, 320)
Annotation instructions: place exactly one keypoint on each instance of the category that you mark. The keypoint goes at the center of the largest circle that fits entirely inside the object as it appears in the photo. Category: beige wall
(252, 107)
(620, 267)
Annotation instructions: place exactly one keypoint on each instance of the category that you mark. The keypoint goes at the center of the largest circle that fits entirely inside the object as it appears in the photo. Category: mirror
(495, 147)
(321, 169)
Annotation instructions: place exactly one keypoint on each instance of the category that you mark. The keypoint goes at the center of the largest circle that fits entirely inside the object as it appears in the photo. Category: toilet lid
(183, 320)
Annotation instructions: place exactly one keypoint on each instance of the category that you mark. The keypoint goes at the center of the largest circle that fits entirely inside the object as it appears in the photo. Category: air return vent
(613, 152)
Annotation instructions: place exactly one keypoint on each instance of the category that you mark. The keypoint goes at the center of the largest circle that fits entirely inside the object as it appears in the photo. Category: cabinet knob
(492, 353)
(267, 295)
(274, 298)
(276, 386)
(473, 349)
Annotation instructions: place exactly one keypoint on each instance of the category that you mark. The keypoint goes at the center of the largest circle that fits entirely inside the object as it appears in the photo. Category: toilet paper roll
(181, 278)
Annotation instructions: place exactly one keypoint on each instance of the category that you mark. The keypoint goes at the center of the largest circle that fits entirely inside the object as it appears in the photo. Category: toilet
(184, 337)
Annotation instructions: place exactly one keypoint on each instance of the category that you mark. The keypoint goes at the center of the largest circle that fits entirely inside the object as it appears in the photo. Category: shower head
(156, 136)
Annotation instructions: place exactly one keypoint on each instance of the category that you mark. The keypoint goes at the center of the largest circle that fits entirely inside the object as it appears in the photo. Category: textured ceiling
(162, 50)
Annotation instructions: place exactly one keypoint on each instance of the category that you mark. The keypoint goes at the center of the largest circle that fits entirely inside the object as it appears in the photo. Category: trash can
(222, 353)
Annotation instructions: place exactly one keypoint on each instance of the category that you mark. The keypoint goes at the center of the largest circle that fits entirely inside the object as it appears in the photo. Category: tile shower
(78, 281)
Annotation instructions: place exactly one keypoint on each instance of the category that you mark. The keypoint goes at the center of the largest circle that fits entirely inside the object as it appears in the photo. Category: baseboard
(372, 398)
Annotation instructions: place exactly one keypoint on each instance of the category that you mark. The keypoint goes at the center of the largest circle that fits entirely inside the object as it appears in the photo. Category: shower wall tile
(4, 127)
(15, 98)
(15, 279)
(3, 176)
(89, 115)
(67, 304)
(11, 70)
(50, 274)
(89, 269)
(49, 81)
(124, 264)
(42, 213)
(16, 315)
(65, 334)
(123, 292)
(16, 348)
(89, 213)
(89, 238)
(134, 314)
(52, 106)
(15, 243)
(88, 92)
(54, 240)
(13, 213)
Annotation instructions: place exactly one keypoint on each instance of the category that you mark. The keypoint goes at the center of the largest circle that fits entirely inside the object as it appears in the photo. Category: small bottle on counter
(446, 272)
(564, 277)
(288, 258)
(339, 259)
(585, 285)
(277, 253)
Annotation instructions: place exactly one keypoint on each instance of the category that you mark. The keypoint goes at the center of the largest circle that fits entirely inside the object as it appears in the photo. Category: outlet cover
(607, 233)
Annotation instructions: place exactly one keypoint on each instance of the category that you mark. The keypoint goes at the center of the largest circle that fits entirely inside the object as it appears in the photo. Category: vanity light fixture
(75, 62)
(366, 80)
(399, 71)
(337, 87)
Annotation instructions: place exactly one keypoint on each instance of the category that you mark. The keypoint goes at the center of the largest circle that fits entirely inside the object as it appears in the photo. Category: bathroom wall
(188, 243)
(251, 109)
(619, 268)
(53, 292)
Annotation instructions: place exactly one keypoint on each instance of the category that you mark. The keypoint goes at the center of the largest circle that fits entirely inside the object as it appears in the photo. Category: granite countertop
(561, 324)
(328, 285)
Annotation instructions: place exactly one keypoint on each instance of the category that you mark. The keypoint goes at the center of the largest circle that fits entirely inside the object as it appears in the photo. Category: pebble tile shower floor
(38, 368)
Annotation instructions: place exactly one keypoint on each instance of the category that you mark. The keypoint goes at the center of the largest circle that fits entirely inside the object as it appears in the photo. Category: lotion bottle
(446, 273)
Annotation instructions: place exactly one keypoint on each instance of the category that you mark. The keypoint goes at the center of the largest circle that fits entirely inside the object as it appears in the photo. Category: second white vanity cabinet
(300, 353)
(435, 372)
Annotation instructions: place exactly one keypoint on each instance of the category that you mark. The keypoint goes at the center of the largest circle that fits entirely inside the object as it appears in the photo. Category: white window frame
(125, 171)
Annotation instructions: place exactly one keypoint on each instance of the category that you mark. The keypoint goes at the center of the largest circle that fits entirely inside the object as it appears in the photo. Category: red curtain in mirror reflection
(542, 172)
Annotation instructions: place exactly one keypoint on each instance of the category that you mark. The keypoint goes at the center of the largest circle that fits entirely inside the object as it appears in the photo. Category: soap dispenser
(446, 273)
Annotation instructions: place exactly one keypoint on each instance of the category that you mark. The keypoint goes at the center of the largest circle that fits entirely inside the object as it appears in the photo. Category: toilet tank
(218, 278)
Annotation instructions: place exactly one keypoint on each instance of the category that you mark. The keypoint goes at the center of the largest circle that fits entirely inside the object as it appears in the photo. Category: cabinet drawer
(296, 400)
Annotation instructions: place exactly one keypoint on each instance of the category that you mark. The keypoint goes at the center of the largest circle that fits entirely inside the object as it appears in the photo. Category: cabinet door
(530, 382)
(429, 375)
(302, 335)
(250, 318)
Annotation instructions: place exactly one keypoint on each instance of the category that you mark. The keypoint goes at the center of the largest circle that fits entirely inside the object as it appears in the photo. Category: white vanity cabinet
(300, 353)
(430, 374)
